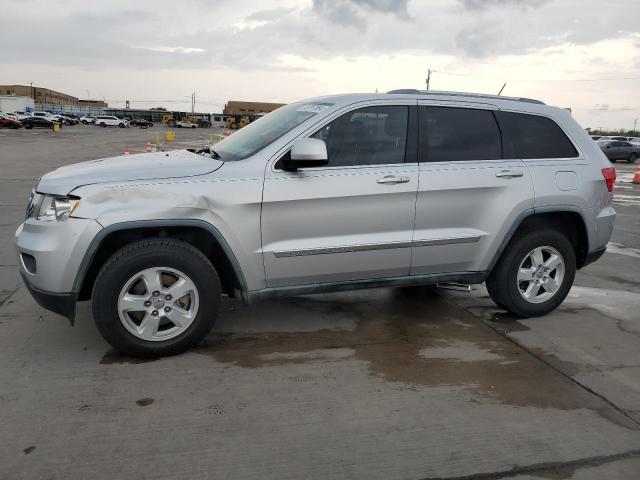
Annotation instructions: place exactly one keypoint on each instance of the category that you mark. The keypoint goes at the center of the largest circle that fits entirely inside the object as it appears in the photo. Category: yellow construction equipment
(237, 121)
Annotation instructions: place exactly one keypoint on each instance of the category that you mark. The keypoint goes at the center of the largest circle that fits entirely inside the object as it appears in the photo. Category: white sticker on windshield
(312, 107)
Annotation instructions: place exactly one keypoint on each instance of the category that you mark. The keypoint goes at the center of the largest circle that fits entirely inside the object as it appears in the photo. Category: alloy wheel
(158, 303)
(540, 274)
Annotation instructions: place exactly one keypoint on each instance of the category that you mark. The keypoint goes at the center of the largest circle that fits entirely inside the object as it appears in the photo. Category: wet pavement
(411, 383)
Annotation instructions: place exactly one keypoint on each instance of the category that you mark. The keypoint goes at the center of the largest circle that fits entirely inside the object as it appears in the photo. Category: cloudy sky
(583, 54)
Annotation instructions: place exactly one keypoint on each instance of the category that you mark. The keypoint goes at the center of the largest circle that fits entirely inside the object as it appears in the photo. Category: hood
(144, 166)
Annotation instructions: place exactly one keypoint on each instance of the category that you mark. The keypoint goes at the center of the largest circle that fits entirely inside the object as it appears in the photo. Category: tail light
(609, 175)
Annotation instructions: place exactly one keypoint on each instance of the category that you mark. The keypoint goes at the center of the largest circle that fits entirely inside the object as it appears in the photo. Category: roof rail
(414, 91)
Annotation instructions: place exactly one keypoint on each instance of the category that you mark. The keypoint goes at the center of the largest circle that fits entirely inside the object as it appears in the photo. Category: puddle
(415, 337)
(460, 351)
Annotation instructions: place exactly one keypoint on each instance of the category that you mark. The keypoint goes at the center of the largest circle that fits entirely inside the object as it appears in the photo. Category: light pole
(634, 126)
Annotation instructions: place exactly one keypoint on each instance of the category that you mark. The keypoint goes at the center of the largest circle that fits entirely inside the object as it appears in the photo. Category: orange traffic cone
(636, 177)
(126, 150)
(149, 148)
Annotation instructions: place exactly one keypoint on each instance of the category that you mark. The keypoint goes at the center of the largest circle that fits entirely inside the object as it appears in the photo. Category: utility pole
(428, 78)
(32, 94)
(193, 102)
(634, 126)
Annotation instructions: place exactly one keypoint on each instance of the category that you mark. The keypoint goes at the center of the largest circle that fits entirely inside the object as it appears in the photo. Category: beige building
(234, 107)
(49, 97)
(92, 103)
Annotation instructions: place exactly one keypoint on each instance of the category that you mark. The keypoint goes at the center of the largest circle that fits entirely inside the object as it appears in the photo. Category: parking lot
(406, 383)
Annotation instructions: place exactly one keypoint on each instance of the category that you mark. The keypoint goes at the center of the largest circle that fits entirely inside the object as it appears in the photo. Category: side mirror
(305, 153)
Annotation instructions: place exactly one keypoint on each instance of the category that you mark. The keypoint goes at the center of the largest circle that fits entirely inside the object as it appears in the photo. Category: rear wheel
(633, 157)
(121, 125)
(534, 274)
(156, 297)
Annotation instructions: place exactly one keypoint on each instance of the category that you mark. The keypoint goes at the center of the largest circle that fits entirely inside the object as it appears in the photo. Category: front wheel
(534, 274)
(156, 297)
(102, 124)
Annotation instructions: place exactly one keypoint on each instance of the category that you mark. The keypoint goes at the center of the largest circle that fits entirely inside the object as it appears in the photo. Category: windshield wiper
(215, 155)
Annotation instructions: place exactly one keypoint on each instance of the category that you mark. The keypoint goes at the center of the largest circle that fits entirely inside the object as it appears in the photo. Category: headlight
(50, 207)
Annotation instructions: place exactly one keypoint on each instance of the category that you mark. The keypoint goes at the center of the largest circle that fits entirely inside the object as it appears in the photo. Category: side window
(534, 136)
(450, 134)
(367, 136)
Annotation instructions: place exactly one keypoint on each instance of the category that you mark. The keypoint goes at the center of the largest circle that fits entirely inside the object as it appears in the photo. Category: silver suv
(329, 194)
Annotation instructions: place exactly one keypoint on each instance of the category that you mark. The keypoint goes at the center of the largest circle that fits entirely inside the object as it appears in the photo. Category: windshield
(265, 130)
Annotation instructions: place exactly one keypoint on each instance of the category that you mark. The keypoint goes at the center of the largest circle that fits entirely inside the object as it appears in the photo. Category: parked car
(619, 150)
(64, 119)
(22, 115)
(37, 122)
(71, 119)
(111, 121)
(87, 119)
(12, 116)
(6, 122)
(140, 122)
(42, 114)
(183, 124)
(336, 193)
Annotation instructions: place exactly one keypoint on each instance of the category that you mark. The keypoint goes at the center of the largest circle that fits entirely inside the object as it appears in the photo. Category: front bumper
(61, 303)
(593, 256)
(49, 258)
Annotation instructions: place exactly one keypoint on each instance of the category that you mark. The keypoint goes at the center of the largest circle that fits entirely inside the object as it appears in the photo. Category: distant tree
(160, 109)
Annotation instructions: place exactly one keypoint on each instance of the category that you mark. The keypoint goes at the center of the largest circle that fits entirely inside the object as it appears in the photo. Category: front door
(352, 219)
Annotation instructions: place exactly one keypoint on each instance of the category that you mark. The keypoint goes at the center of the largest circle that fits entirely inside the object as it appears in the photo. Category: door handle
(509, 174)
(391, 179)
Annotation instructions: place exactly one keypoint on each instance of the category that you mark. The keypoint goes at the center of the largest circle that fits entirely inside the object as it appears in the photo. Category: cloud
(486, 4)
(354, 13)
(269, 15)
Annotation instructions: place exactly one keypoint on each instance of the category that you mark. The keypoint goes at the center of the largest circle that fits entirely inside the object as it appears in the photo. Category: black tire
(28, 127)
(102, 124)
(149, 124)
(134, 258)
(632, 158)
(502, 283)
(84, 122)
(121, 125)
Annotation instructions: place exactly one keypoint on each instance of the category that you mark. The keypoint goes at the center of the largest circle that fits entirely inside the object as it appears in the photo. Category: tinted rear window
(450, 134)
(534, 136)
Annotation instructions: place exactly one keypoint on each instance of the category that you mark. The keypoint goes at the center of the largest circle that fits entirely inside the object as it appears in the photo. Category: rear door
(471, 189)
(352, 219)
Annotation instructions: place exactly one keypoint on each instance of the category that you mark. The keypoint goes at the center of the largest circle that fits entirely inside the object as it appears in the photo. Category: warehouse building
(46, 98)
(234, 107)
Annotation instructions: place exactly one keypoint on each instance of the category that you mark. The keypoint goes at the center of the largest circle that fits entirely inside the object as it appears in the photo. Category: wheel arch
(567, 219)
(200, 234)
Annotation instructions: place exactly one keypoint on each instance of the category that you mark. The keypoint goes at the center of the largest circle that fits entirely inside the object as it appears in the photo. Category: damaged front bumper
(49, 257)
(61, 303)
